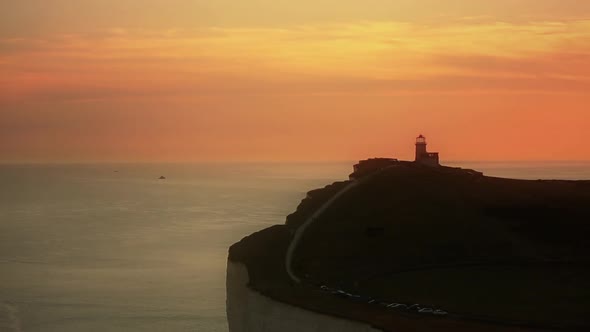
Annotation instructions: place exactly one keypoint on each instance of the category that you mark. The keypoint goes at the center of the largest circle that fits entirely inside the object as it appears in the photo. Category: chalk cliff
(250, 311)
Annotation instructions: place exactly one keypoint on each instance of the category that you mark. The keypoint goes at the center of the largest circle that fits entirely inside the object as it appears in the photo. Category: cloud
(474, 54)
(559, 66)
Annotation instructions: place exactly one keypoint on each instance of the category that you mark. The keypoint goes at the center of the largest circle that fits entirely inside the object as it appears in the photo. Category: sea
(111, 247)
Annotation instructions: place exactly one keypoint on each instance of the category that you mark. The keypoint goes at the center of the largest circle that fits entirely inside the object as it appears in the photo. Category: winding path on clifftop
(301, 230)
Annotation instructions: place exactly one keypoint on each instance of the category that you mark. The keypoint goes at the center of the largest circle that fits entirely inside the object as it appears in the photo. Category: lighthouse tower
(423, 156)
(420, 147)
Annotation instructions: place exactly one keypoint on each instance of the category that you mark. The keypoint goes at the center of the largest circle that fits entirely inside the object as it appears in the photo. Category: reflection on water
(111, 248)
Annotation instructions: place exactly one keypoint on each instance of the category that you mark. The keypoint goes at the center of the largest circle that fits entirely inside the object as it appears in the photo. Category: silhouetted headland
(415, 246)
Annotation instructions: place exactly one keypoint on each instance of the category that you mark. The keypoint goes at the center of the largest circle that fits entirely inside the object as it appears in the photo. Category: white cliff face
(249, 311)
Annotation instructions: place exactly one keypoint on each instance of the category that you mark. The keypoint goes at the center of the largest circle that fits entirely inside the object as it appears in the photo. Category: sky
(283, 80)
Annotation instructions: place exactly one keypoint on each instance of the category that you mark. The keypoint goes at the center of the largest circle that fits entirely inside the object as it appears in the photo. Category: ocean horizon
(111, 247)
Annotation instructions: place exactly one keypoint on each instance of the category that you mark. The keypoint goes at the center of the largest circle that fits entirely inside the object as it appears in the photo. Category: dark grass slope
(500, 251)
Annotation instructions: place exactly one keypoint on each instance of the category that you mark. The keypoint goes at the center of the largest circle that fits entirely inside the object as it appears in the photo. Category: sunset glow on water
(84, 248)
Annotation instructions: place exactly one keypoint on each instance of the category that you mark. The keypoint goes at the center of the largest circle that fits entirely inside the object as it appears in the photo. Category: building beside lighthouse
(370, 166)
(423, 156)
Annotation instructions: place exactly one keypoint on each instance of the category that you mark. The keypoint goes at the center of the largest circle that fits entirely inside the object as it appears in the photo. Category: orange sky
(180, 80)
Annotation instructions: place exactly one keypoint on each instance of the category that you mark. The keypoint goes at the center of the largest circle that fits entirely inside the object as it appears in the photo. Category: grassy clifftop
(486, 249)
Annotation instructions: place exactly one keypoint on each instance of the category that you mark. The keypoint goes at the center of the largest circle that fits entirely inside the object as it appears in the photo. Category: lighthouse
(423, 156)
